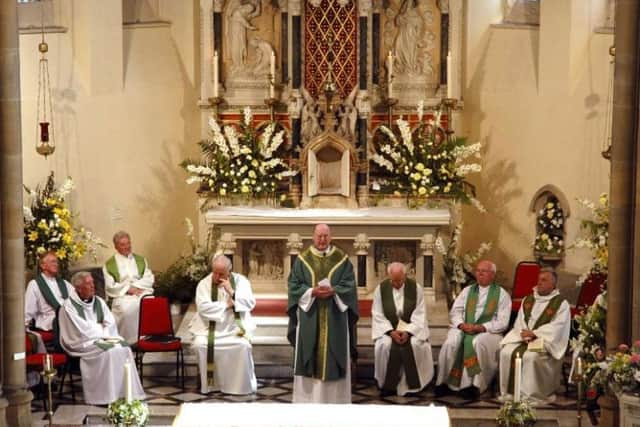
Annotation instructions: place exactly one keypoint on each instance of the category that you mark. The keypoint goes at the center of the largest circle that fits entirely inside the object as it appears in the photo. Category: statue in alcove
(346, 116)
(262, 53)
(312, 117)
(238, 17)
(409, 24)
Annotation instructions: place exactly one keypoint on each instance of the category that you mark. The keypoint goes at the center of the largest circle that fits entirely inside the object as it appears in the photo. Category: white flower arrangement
(549, 238)
(245, 163)
(595, 235)
(421, 163)
(134, 413)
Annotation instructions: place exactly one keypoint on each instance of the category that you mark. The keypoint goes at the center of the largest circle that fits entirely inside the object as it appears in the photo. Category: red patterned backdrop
(319, 21)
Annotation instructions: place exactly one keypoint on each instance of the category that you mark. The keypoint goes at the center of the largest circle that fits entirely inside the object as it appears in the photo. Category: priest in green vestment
(323, 311)
(468, 359)
(45, 294)
(540, 336)
(400, 332)
(127, 278)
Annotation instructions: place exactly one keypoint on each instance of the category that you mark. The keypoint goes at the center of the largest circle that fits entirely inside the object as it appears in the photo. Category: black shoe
(386, 393)
(441, 390)
(470, 393)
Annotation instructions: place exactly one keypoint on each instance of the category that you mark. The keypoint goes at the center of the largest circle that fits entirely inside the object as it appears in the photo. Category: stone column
(361, 245)
(294, 244)
(15, 399)
(623, 239)
(227, 245)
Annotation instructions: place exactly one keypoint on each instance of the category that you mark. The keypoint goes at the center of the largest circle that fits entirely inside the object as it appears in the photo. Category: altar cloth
(309, 415)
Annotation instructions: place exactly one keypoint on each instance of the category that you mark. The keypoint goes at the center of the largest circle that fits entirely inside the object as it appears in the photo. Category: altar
(263, 242)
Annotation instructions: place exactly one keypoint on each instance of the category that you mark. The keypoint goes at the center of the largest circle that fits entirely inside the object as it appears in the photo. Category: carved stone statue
(347, 115)
(409, 24)
(263, 51)
(312, 117)
(238, 17)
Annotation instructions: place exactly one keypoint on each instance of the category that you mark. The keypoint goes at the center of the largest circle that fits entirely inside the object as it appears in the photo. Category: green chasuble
(466, 356)
(400, 355)
(547, 316)
(321, 346)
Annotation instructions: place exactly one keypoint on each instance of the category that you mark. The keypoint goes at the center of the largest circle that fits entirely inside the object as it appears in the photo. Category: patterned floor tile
(161, 401)
(163, 390)
(271, 391)
(187, 397)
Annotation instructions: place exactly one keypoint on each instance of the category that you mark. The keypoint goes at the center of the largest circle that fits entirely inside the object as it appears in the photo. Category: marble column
(294, 244)
(624, 241)
(15, 399)
(227, 245)
(361, 246)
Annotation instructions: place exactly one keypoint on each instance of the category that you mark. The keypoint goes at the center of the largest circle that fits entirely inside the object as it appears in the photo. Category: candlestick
(390, 75)
(215, 74)
(449, 77)
(272, 75)
(127, 382)
(579, 366)
(48, 365)
(517, 378)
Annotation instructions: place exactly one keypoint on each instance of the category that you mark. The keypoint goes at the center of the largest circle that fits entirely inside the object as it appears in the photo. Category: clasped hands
(133, 290)
(527, 336)
(399, 337)
(470, 328)
(323, 290)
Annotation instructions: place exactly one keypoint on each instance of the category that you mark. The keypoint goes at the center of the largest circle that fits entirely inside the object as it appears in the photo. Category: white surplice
(418, 327)
(486, 344)
(126, 308)
(315, 390)
(541, 372)
(102, 370)
(234, 370)
(37, 308)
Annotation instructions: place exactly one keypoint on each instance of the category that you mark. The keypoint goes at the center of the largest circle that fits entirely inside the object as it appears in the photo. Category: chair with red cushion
(155, 333)
(591, 288)
(524, 280)
(35, 362)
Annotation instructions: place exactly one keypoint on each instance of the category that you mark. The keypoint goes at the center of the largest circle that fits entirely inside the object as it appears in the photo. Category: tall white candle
(517, 379)
(48, 365)
(215, 74)
(449, 77)
(272, 75)
(579, 366)
(127, 382)
(390, 75)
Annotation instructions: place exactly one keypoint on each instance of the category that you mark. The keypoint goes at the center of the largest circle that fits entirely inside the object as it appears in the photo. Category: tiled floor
(164, 398)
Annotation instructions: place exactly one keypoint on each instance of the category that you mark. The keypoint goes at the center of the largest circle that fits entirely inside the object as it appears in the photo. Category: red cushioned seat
(47, 336)
(155, 332)
(524, 280)
(591, 288)
(36, 361)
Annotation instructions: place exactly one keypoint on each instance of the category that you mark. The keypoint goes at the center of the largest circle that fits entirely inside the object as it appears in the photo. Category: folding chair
(155, 333)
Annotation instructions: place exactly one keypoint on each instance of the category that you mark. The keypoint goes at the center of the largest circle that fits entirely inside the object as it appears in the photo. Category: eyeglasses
(481, 270)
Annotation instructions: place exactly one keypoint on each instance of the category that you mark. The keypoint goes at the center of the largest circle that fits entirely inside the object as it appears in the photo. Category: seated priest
(468, 359)
(88, 331)
(45, 294)
(403, 360)
(127, 278)
(222, 330)
(540, 336)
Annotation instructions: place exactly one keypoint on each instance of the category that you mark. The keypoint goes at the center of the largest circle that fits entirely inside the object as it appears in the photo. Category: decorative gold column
(15, 399)
(624, 241)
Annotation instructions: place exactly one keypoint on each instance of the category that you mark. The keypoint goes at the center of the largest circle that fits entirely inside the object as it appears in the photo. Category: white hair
(397, 265)
(223, 260)
(78, 278)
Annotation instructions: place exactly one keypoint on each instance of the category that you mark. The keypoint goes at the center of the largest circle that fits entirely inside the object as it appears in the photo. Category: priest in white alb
(468, 359)
(127, 278)
(222, 330)
(88, 331)
(403, 360)
(540, 336)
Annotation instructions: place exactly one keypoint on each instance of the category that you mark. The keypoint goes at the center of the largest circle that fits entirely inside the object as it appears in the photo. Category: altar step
(272, 353)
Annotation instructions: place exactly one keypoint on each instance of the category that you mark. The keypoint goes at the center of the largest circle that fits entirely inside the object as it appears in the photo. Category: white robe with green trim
(234, 370)
(102, 370)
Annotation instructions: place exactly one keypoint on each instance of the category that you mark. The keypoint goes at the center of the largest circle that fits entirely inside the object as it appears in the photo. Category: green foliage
(516, 414)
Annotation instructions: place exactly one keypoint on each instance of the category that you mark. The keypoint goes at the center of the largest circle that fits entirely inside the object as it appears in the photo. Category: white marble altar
(262, 241)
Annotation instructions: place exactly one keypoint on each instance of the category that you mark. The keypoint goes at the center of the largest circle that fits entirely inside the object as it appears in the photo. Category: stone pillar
(427, 243)
(294, 244)
(15, 399)
(227, 245)
(623, 239)
(361, 245)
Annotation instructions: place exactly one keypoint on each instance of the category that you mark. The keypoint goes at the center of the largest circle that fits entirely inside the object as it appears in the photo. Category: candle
(127, 382)
(517, 378)
(449, 77)
(48, 365)
(272, 75)
(390, 75)
(579, 366)
(215, 74)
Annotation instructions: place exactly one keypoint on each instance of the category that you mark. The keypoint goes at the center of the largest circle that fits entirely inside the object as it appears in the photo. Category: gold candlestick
(215, 103)
(272, 103)
(448, 105)
(388, 103)
(577, 378)
(49, 374)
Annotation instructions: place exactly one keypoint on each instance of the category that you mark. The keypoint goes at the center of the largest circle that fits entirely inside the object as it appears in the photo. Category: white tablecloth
(309, 415)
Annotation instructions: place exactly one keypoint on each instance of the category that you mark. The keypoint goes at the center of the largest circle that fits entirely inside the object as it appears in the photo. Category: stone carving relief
(262, 54)
(388, 252)
(521, 12)
(312, 117)
(408, 32)
(346, 116)
(238, 16)
(264, 259)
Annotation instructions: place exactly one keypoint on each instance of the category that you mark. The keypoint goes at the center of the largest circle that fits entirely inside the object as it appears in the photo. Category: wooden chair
(155, 333)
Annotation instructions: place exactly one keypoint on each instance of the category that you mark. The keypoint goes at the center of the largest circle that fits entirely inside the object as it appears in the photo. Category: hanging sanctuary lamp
(45, 142)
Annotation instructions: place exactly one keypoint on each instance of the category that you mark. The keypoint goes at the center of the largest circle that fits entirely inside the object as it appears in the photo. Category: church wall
(121, 146)
(536, 99)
